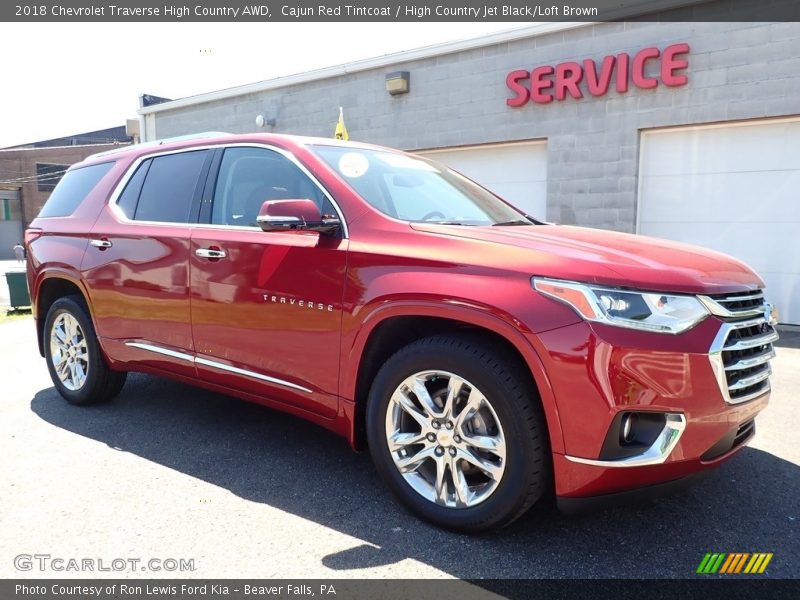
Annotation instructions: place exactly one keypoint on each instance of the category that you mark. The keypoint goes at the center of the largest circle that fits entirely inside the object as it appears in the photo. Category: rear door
(266, 307)
(137, 263)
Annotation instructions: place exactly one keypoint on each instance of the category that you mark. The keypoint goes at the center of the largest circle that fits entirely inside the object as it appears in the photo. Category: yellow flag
(341, 130)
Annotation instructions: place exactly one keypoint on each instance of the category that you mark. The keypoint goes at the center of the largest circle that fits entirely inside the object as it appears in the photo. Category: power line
(35, 178)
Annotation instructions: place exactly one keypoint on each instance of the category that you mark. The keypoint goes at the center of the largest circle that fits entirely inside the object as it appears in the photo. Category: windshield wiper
(513, 222)
(448, 223)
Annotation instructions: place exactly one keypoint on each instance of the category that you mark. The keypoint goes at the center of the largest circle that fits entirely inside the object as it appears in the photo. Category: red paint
(640, 80)
(622, 72)
(301, 307)
(302, 207)
(232, 319)
(540, 83)
(671, 61)
(568, 76)
(565, 79)
(598, 83)
(514, 82)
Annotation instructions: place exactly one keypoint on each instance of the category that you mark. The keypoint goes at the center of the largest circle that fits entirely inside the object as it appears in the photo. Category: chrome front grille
(732, 306)
(742, 350)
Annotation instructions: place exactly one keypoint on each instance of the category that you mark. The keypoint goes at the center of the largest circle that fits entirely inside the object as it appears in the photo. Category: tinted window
(250, 176)
(169, 187)
(72, 189)
(129, 198)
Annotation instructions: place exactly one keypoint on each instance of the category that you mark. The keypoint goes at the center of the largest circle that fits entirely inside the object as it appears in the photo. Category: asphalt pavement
(170, 471)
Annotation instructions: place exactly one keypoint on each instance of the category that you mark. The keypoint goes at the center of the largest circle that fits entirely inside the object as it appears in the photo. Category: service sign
(574, 80)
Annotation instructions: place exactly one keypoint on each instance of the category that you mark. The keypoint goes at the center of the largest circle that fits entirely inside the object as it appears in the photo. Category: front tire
(76, 364)
(456, 432)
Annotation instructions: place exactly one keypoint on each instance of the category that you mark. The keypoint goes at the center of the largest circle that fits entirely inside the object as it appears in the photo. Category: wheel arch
(51, 286)
(393, 326)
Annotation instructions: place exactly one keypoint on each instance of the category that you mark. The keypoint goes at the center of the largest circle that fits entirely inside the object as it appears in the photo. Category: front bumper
(576, 505)
(598, 372)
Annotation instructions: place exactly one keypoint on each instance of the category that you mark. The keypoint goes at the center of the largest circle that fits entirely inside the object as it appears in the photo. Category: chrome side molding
(223, 367)
(160, 350)
(216, 365)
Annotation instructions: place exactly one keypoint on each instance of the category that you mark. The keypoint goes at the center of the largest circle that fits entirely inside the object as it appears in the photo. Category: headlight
(648, 311)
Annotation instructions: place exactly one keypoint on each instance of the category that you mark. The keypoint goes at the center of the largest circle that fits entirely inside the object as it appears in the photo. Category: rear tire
(456, 432)
(77, 366)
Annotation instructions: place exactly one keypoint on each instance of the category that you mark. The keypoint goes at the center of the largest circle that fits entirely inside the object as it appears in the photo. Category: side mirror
(295, 214)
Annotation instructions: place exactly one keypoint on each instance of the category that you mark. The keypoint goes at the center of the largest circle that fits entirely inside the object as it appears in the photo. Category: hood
(611, 258)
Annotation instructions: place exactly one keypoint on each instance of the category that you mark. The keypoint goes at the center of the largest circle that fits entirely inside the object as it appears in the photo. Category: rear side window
(72, 189)
(129, 198)
(169, 187)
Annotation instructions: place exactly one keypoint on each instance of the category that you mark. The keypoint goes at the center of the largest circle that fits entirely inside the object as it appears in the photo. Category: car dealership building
(682, 130)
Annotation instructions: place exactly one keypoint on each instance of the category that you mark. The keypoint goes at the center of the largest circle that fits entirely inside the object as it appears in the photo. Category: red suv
(487, 358)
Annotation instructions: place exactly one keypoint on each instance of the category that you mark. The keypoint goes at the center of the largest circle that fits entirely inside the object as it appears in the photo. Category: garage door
(10, 224)
(732, 188)
(515, 172)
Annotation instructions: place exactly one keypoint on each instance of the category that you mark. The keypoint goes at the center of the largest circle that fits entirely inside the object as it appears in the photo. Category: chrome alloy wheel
(445, 439)
(69, 351)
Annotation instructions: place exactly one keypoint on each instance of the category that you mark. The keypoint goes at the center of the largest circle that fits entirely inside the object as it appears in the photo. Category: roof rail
(180, 138)
(191, 136)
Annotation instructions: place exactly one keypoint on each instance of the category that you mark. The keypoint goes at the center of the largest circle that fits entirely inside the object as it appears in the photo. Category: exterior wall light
(262, 122)
(397, 82)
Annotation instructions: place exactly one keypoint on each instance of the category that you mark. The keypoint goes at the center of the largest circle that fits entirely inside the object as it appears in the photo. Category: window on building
(10, 210)
(48, 176)
(170, 187)
(250, 176)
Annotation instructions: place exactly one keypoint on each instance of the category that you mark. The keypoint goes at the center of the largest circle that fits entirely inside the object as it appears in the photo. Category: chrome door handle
(101, 243)
(210, 253)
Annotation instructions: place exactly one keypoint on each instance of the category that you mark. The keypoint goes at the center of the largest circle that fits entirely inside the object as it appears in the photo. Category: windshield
(416, 189)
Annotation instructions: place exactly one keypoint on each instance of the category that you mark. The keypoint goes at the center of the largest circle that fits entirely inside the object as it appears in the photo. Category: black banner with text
(393, 11)
(400, 589)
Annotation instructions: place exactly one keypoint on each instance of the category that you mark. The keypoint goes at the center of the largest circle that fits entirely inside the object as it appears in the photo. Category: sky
(68, 78)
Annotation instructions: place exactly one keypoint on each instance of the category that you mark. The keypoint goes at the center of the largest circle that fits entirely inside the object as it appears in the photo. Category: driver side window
(250, 176)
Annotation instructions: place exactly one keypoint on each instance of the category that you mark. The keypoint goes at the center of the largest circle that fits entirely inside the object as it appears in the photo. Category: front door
(266, 307)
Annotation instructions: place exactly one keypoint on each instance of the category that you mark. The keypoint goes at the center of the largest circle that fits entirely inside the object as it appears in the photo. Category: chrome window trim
(216, 365)
(114, 198)
(122, 218)
(656, 454)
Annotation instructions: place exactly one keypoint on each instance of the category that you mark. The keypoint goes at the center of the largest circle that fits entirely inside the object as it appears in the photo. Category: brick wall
(18, 171)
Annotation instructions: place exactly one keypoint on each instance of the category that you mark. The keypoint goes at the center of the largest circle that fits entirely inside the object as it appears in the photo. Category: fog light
(626, 435)
(631, 433)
